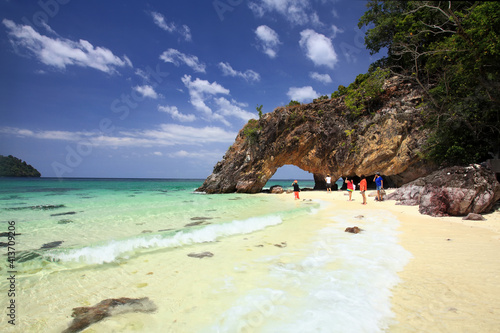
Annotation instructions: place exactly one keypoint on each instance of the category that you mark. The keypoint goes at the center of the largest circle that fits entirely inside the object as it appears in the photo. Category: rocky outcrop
(324, 137)
(455, 191)
(86, 316)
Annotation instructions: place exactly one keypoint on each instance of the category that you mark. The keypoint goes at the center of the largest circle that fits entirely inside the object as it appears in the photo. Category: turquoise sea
(276, 265)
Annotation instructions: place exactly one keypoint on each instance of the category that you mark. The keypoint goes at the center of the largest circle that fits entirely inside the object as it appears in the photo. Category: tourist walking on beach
(379, 183)
(296, 189)
(350, 187)
(328, 180)
(362, 188)
(340, 183)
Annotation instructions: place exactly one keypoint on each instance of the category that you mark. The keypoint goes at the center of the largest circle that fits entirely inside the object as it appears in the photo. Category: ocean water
(277, 265)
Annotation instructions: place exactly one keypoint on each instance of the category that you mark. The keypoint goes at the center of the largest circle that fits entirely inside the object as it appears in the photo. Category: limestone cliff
(325, 137)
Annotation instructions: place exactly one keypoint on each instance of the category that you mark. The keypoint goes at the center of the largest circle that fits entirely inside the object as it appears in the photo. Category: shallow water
(278, 265)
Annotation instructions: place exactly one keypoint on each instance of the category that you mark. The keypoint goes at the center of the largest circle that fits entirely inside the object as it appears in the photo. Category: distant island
(11, 166)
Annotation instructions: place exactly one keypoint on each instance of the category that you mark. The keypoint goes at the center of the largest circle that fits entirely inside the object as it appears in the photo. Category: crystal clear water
(279, 265)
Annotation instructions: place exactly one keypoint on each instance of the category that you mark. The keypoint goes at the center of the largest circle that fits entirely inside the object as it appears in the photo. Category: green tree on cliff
(11, 166)
(452, 50)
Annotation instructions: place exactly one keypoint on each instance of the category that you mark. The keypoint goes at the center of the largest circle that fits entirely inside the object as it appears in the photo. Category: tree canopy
(452, 50)
(11, 166)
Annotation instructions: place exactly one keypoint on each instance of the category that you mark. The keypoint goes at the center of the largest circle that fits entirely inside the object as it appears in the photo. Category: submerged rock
(61, 214)
(201, 255)
(455, 191)
(51, 245)
(86, 316)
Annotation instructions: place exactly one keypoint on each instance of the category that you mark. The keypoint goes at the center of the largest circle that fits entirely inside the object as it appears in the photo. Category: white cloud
(202, 90)
(268, 40)
(177, 58)
(302, 94)
(61, 52)
(163, 135)
(174, 112)
(230, 108)
(146, 91)
(318, 48)
(248, 75)
(297, 12)
(336, 30)
(160, 21)
(202, 155)
(323, 78)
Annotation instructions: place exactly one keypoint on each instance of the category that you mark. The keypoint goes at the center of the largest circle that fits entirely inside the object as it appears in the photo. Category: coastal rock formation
(455, 191)
(325, 137)
(353, 230)
(86, 316)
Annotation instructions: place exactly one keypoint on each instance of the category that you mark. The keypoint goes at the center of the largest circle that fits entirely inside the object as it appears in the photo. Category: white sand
(452, 283)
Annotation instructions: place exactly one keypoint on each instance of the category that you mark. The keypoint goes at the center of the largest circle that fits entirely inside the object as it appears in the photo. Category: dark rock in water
(282, 244)
(2, 244)
(455, 191)
(7, 234)
(146, 231)
(201, 218)
(86, 316)
(201, 255)
(61, 214)
(38, 207)
(474, 217)
(64, 221)
(51, 245)
(353, 230)
(192, 224)
(27, 256)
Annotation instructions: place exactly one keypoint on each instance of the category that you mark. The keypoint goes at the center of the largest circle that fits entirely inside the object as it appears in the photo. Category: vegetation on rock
(452, 50)
(11, 166)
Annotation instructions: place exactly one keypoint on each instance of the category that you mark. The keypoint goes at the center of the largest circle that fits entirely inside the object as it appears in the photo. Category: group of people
(351, 187)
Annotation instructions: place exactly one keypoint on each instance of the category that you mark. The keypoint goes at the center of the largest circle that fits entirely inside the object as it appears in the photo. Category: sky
(160, 89)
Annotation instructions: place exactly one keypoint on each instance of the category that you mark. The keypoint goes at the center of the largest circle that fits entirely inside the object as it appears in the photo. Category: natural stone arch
(324, 137)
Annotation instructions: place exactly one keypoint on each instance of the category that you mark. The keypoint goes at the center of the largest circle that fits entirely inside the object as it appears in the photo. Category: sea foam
(340, 283)
(113, 250)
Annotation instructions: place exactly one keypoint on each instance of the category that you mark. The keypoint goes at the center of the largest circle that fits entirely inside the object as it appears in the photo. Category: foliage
(320, 98)
(366, 94)
(363, 94)
(293, 103)
(259, 110)
(251, 131)
(452, 50)
(11, 166)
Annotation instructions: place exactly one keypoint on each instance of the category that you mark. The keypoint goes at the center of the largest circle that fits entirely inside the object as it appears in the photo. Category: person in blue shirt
(379, 183)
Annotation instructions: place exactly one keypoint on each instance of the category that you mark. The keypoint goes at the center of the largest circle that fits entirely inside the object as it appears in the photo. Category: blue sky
(160, 89)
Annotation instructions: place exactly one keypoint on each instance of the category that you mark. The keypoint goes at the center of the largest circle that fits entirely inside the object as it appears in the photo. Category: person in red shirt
(362, 188)
(350, 187)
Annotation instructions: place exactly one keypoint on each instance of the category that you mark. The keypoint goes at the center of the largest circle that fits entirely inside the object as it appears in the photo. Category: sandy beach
(451, 284)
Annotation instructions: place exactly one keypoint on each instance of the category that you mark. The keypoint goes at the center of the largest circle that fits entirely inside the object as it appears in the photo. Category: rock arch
(324, 137)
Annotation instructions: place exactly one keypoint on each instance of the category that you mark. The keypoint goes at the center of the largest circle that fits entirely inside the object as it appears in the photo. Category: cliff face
(324, 137)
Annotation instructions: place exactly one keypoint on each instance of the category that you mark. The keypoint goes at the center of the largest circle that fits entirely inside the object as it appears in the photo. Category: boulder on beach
(201, 255)
(353, 230)
(453, 191)
(86, 316)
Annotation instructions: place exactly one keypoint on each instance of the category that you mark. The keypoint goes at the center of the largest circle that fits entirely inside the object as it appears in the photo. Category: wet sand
(452, 283)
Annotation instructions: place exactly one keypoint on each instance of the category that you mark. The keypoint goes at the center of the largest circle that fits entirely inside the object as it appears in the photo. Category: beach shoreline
(451, 282)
